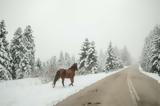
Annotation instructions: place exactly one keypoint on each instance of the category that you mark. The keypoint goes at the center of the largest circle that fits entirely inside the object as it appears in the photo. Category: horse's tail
(56, 77)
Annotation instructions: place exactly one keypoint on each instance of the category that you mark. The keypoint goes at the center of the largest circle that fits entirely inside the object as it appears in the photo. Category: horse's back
(70, 73)
(62, 72)
(66, 73)
(62, 69)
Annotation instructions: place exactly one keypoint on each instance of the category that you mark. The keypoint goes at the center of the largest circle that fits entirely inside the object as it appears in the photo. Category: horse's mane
(73, 66)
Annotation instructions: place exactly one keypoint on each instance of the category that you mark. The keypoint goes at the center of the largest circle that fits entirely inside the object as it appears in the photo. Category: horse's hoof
(70, 85)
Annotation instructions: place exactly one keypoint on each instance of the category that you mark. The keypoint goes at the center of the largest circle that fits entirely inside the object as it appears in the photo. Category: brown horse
(66, 73)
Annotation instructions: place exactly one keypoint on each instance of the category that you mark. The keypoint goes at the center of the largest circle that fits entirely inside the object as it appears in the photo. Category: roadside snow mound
(20, 83)
(152, 75)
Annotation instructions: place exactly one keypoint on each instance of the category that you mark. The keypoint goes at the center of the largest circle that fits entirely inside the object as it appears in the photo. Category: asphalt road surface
(126, 88)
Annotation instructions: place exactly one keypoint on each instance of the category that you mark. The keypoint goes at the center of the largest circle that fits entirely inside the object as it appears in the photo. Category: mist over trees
(150, 59)
(125, 56)
(17, 59)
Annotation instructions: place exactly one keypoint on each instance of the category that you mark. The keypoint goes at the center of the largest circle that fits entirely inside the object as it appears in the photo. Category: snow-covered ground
(152, 75)
(31, 92)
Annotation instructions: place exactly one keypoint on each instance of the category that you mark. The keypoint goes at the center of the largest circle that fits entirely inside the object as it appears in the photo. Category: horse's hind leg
(57, 76)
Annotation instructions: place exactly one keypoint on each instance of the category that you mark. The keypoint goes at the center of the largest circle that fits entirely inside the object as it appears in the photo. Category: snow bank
(152, 75)
(30, 91)
(20, 83)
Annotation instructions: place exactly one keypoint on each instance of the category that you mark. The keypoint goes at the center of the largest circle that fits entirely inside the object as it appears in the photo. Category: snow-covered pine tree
(28, 59)
(101, 61)
(118, 55)
(61, 60)
(146, 54)
(117, 51)
(125, 56)
(73, 59)
(155, 57)
(49, 69)
(143, 59)
(112, 61)
(5, 58)
(83, 55)
(68, 61)
(38, 68)
(17, 52)
(53, 63)
(39, 64)
(52, 68)
(91, 59)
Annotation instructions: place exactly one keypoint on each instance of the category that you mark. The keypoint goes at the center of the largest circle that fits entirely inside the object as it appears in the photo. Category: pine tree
(125, 56)
(61, 60)
(68, 61)
(101, 61)
(5, 58)
(112, 61)
(146, 54)
(83, 54)
(91, 59)
(28, 59)
(73, 59)
(39, 64)
(17, 51)
(155, 57)
(49, 69)
(38, 68)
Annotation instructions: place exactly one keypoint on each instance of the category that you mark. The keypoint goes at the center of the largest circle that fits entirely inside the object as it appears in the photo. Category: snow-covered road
(30, 91)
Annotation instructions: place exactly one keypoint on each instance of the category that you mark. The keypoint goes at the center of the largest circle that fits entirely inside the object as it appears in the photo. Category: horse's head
(74, 66)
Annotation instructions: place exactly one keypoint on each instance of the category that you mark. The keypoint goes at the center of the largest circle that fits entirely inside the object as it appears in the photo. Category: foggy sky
(62, 25)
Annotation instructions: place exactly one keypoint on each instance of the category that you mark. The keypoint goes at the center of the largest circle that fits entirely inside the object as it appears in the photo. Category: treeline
(150, 60)
(17, 59)
(111, 59)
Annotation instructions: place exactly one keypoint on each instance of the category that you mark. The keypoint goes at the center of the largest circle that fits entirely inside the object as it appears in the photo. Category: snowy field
(31, 92)
(152, 75)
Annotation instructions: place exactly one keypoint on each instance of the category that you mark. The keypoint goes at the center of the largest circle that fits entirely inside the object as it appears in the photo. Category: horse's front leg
(72, 80)
(63, 82)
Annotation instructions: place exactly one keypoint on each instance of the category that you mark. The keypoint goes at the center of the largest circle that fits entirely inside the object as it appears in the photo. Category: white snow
(152, 75)
(31, 92)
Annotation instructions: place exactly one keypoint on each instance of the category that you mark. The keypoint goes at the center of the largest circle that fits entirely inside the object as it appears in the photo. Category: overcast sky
(62, 25)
